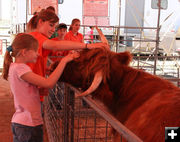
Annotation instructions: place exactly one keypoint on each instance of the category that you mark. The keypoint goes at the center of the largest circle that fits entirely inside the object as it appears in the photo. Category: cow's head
(95, 70)
(99, 66)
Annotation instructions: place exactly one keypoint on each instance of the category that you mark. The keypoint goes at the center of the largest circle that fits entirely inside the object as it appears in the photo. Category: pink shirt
(89, 35)
(26, 97)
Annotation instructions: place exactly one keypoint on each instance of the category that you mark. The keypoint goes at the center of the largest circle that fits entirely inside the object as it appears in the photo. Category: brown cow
(144, 103)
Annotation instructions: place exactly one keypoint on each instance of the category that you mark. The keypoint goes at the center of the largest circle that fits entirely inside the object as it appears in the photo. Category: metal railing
(68, 119)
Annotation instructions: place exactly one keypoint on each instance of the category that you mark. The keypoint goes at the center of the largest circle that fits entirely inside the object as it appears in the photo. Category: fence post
(1, 47)
(66, 116)
(72, 104)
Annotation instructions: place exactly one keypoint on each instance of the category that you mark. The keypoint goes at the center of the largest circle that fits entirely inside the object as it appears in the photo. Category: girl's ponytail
(32, 24)
(7, 61)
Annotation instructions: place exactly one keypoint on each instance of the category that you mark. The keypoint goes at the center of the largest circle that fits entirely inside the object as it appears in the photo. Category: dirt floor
(6, 112)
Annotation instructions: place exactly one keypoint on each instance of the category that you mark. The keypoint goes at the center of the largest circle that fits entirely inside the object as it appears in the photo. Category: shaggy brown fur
(144, 103)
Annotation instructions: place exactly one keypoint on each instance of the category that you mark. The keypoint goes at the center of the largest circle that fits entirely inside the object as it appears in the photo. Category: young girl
(73, 33)
(27, 120)
(43, 26)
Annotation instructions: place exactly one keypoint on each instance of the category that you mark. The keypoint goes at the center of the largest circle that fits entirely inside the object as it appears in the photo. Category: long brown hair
(73, 22)
(21, 41)
(44, 15)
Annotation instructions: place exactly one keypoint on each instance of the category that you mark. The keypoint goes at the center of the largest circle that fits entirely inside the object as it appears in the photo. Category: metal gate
(69, 119)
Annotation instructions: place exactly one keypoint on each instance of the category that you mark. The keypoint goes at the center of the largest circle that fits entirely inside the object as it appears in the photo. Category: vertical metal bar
(27, 5)
(119, 13)
(95, 124)
(72, 103)
(157, 36)
(85, 128)
(178, 77)
(24, 27)
(16, 30)
(66, 126)
(139, 51)
(138, 63)
(118, 30)
(117, 39)
(78, 123)
(106, 137)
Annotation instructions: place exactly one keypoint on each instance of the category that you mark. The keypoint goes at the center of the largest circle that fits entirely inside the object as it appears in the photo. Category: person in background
(73, 33)
(89, 36)
(27, 122)
(61, 32)
(43, 26)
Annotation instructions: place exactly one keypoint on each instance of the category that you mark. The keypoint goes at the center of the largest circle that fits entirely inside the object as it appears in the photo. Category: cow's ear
(124, 57)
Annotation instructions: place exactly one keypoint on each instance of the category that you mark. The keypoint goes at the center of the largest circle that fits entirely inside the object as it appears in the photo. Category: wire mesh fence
(70, 119)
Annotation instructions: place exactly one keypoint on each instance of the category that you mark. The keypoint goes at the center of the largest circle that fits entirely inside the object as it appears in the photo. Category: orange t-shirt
(72, 37)
(58, 53)
(40, 66)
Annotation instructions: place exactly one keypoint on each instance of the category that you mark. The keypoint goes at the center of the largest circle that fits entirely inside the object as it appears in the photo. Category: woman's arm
(53, 78)
(62, 45)
(70, 45)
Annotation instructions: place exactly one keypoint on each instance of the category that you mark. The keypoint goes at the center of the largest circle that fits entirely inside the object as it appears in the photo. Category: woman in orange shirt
(73, 33)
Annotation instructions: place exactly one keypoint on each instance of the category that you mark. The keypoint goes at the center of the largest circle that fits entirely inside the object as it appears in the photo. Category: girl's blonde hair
(44, 15)
(21, 41)
(73, 22)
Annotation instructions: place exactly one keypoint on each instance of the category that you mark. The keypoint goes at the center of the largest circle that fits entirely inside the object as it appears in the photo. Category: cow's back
(149, 121)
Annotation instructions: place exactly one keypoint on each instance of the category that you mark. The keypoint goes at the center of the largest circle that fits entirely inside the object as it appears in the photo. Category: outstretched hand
(104, 42)
(98, 45)
(71, 56)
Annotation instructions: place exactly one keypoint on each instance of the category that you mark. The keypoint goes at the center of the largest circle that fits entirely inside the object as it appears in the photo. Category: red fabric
(57, 53)
(72, 37)
(40, 66)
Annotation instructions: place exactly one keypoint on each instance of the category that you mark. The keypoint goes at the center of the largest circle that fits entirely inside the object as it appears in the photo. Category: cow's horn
(103, 38)
(96, 82)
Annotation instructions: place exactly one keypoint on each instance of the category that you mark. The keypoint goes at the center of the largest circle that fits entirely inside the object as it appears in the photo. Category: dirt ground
(6, 112)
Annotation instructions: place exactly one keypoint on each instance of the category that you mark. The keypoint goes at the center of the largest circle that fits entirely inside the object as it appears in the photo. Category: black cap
(61, 26)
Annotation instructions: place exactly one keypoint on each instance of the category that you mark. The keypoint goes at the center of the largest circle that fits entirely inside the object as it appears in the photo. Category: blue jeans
(22, 133)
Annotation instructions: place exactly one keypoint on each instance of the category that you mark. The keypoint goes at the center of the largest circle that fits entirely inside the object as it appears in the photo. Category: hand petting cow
(144, 103)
